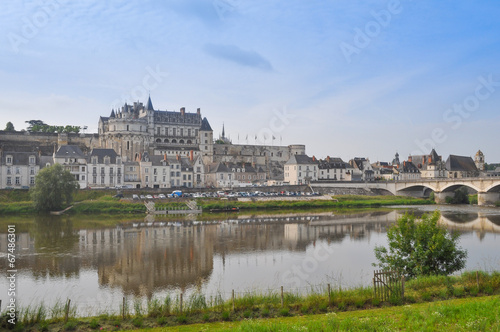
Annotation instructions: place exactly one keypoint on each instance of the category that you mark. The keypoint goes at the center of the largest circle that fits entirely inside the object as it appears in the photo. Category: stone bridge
(488, 189)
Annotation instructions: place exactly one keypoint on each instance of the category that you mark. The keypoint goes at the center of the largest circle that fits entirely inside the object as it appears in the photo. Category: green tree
(54, 188)
(460, 196)
(421, 248)
(9, 126)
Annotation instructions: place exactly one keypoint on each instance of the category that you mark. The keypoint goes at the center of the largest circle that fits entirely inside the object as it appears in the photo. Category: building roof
(20, 158)
(460, 164)
(69, 151)
(101, 154)
(205, 126)
(217, 168)
(331, 163)
(300, 159)
(408, 167)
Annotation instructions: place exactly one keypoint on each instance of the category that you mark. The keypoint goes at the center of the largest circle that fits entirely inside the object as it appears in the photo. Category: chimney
(178, 157)
(165, 157)
(328, 158)
(430, 159)
(314, 158)
(409, 159)
(183, 111)
(198, 111)
(191, 155)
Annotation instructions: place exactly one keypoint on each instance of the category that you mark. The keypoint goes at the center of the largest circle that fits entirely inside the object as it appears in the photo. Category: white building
(73, 160)
(300, 169)
(18, 169)
(105, 169)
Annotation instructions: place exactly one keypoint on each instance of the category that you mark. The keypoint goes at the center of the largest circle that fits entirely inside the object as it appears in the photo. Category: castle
(139, 128)
(143, 137)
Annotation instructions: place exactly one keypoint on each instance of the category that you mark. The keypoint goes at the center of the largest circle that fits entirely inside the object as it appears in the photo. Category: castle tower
(479, 160)
(206, 136)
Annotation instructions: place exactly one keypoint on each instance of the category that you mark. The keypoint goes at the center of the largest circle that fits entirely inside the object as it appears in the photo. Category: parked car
(162, 196)
(149, 197)
(118, 196)
(134, 196)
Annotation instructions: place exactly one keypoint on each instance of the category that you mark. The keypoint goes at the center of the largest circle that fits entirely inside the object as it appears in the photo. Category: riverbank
(343, 308)
(99, 203)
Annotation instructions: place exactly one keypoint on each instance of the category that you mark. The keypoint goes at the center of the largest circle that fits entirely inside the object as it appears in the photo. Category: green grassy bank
(17, 202)
(259, 307)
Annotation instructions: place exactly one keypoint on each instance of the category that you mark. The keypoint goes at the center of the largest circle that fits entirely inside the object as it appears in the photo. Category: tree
(54, 188)
(9, 126)
(460, 196)
(421, 248)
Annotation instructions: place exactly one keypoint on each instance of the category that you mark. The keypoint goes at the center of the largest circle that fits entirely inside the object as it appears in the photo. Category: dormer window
(94, 160)
(8, 160)
(32, 160)
(106, 160)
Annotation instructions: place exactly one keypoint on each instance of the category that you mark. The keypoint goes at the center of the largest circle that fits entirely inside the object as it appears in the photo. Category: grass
(344, 201)
(197, 309)
(472, 314)
(101, 202)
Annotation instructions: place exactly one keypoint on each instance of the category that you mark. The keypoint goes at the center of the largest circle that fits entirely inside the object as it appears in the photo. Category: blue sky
(346, 78)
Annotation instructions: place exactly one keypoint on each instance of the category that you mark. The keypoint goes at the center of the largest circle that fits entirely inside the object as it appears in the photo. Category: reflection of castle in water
(145, 259)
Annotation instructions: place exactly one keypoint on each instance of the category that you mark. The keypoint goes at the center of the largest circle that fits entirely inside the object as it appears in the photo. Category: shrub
(421, 248)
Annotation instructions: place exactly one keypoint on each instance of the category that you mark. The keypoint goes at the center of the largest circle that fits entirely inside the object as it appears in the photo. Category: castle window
(32, 160)
(165, 140)
(9, 159)
(9, 180)
(189, 132)
(189, 141)
(174, 141)
(158, 140)
(128, 145)
(32, 180)
(182, 132)
(127, 128)
(181, 141)
(18, 180)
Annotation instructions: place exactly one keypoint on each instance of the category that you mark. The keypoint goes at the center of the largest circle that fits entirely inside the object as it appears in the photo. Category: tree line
(40, 126)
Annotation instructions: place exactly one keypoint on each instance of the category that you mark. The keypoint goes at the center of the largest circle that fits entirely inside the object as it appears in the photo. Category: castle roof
(205, 126)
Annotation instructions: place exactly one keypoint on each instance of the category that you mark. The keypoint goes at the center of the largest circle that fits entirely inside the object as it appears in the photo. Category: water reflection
(144, 258)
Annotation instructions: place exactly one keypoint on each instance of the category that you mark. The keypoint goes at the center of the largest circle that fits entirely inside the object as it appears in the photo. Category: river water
(95, 267)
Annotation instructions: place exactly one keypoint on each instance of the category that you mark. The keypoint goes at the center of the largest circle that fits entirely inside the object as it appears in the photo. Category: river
(96, 266)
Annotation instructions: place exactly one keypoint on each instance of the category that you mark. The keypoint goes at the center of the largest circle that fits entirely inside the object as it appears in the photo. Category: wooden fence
(387, 285)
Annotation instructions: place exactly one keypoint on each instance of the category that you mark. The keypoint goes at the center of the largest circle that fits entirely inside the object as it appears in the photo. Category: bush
(421, 248)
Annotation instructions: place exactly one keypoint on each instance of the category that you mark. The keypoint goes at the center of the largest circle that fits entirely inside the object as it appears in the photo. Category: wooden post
(477, 280)
(402, 287)
(67, 311)
(374, 289)
(123, 308)
(282, 301)
(233, 299)
(180, 304)
(329, 295)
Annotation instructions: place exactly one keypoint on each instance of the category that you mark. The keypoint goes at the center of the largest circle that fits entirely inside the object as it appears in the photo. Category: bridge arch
(415, 190)
(454, 186)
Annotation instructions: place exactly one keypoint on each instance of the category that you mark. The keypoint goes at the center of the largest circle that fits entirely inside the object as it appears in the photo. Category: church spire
(149, 105)
(223, 133)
